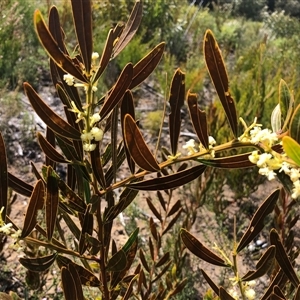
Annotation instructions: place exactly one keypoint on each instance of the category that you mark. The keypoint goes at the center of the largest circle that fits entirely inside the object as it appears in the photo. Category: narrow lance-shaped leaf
(118, 91)
(97, 166)
(51, 119)
(50, 152)
(218, 74)
(87, 227)
(197, 248)
(224, 295)
(36, 203)
(263, 265)
(51, 202)
(170, 181)
(19, 185)
(294, 129)
(117, 262)
(286, 102)
(53, 50)
(276, 119)
(230, 162)
(3, 179)
(198, 118)
(283, 259)
(76, 279)
(127, 107)
(292, 149)
(82, 16)
(146, 65)
(176, 100)
(130, 29)
(257, 222)
(50, 138)
(68, 284)
(210, 282)
(39, 264)
(137, 147)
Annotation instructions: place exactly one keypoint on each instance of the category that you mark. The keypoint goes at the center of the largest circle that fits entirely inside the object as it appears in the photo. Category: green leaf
(257, 222)
(130, 28)
(197, 248)
(51, 119)
(137, 147)
(218, 74)
(36, 202)
(286, 102)
(294, 129)
(198, 118)
(82, 16)
(3, 179)
(292, 149)
(39, 264)
(176, 100)
(263, 265)
(116, 94)
(117, 262)
(53, 50)
(131, 240)
(170, 181)
(283, 259)
(51, 202)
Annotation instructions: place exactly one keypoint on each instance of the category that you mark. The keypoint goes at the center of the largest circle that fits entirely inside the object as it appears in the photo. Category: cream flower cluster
(248, 291)
(270, 161)
(192, 149)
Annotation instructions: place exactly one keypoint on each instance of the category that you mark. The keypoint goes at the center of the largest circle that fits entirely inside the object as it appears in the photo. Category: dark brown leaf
(51, 119)
(68, 284)
(36, 203)
(179, 287)
(117, 262)
(161, 200)
(76, 279)
(198, 118)
(87, 227)
(170, 181)
(130, 29)
(297, 293)
(153, 229)
(129, 290)
(144, 261)
(162, 272)
(283, 259)
(82, 16)
(118, 91)
(97, 166)
(39, 264)
(278, 279)
(197, 248)
(263, 265)
(51, 202)
(50, 137)
(229, 162)
(277, 291)
(174, 208)
(163, 260)
(153, 209)
(137, 147)
(19, 185)
(210, 282)
(86, 277)
(257, 222)
(176, 100)
(224, 295)
(127, 107)
(218, 74)
(172, 222)
(50, 152)
(3, 179)
(53, 50)
(146, 65)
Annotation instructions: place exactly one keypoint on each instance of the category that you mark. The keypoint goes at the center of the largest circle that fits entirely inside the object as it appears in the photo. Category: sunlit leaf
(257, 222)
(292, 149)
(39, 264)
(82, 16)
(170, 181)
(286, 102)
(176, 100)
(146, 65)
(276, 119)
(53, 50)
(51, 202)
(283, 259)
(118, 91)
(197, 248)
(198, 118)
(263, 265)
(51, 119)
(137, 147)
(130, 29)
(36, 202)
(3, 179)
(294, 129)
(218, 74)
